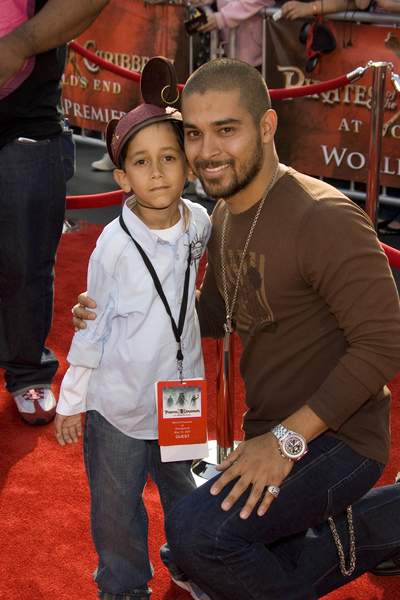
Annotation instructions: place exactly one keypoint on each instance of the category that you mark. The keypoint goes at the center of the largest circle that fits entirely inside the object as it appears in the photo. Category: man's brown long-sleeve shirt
(317, 311)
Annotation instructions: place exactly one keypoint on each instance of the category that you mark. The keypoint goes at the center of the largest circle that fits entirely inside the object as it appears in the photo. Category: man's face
(222, 143)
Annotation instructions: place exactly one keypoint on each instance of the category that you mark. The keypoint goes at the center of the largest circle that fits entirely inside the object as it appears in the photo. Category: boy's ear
(122, 180)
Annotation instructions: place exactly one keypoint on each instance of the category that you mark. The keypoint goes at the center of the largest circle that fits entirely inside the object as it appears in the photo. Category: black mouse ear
(109, 138)
(158, 84)
(304, 32)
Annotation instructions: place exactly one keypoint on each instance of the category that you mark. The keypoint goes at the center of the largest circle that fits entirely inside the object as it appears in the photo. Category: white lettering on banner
(357, 95)
(133, 62)
(344, 126)
(357, 160)
(102, 85)
(90, 112)
(75, 81)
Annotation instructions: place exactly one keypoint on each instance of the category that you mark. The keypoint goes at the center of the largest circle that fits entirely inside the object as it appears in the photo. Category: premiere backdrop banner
(127, 33)
(328, 134)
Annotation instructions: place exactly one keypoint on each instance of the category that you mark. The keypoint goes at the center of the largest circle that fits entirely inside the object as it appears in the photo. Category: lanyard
(182, 314)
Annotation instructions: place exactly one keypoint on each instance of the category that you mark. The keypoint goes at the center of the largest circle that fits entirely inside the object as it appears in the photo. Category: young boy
(115, 362)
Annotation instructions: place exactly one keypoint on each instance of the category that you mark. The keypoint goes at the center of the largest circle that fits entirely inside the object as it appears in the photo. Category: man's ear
(269, 123)
(122, 180)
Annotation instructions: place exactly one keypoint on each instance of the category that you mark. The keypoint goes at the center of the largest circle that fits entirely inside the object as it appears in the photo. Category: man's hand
(68, 429)
(258, 463)
(210, 25)
(296, 10)
(80, 312)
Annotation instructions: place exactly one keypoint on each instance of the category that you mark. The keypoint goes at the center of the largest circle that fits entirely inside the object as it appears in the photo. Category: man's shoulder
(308, 195)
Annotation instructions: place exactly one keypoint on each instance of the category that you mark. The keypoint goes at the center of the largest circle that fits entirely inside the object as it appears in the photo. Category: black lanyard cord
(182, 314)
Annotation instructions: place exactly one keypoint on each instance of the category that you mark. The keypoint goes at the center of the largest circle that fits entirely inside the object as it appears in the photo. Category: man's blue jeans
(32, 205)
(289, 554)
(118, 467)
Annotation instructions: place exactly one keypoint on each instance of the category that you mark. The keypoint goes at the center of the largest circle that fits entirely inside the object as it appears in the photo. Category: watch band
(285, 438)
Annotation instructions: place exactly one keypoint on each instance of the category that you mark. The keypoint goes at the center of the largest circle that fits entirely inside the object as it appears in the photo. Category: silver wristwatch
(291, 445)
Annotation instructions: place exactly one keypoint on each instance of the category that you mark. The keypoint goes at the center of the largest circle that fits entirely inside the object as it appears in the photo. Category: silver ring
(274, 490)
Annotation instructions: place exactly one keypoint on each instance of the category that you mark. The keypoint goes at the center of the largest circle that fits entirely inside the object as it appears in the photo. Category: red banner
(127, 33)
(327, 134)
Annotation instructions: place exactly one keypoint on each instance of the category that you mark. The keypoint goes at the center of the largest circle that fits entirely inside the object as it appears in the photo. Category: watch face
(294, 446)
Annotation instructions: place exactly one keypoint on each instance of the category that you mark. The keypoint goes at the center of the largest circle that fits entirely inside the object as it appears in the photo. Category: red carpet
(46, 550)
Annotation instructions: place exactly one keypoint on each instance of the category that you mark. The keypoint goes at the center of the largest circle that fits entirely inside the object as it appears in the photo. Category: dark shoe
(179, 577)
(389, 227)
(388, 567)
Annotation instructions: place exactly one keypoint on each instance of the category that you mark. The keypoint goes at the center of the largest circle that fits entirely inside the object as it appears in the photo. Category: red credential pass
(182, 419)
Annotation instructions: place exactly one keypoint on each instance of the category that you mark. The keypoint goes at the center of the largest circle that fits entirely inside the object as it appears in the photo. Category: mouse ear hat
(160, 95)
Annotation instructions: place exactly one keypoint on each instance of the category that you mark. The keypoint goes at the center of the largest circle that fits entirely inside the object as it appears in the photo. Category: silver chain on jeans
(229, 309)
(346, 572)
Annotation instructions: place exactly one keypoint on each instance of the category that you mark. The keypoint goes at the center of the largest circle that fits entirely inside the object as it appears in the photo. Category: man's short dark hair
(224, 74)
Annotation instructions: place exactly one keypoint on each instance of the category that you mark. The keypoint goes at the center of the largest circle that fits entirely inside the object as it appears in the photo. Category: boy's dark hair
(177, 128)
(228, 74)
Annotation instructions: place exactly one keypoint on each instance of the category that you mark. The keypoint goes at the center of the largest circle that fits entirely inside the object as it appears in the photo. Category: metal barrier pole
(375, 138)
(232, 43)
(264, 46)
(214, 44)
(190, 54)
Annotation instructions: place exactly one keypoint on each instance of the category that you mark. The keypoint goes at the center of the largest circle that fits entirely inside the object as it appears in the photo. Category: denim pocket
(353, 486)
(68, 153)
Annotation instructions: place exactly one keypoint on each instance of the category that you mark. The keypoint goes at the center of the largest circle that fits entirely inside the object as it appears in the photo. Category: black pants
(32, 205)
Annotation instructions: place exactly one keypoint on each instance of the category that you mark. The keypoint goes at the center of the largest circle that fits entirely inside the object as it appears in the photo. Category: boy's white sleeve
(87, 344)
(73, 392)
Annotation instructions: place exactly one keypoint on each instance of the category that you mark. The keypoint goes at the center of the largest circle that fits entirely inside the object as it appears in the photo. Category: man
(296, 268)
(32, 188)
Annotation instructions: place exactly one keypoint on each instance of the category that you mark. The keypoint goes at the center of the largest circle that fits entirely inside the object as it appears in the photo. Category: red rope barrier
(276, 94)
(393, 255)
(95, 200)
(106, 64)
(116, 197)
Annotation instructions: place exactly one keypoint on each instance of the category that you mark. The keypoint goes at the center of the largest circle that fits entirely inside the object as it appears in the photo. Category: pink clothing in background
(14, 13)
(243, 14)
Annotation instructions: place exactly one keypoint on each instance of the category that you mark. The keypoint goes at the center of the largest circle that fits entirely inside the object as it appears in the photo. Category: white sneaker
(103, 164)
(179, 578)
(192, 588)
(37, 406)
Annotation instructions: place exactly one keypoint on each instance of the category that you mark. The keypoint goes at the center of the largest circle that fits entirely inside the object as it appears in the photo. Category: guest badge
(182, 419)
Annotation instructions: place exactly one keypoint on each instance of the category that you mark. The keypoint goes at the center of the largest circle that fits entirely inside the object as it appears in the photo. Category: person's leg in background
(32, 206)
(117, 468)
(231, 558)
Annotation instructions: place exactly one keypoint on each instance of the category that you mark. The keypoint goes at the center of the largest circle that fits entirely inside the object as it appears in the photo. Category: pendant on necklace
(228, 330)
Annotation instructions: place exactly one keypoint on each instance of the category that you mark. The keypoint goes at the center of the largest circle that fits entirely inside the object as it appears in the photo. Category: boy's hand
(81, 313)
(68, 429)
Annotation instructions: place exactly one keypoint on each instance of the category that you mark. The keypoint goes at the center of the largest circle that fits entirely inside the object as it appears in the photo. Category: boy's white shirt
(116, 360)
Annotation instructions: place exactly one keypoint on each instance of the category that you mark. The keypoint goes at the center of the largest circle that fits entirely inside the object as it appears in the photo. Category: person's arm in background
(302, 10)
(392, 6)
(55, 24)
(233, 13)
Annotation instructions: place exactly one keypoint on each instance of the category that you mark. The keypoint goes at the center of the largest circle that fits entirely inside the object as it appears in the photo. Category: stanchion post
(264, 46)
(232, 43)
(214, 44)
(375, 138)
(191, 54)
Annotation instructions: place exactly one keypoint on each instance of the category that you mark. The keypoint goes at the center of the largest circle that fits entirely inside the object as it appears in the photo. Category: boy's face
(155, 166)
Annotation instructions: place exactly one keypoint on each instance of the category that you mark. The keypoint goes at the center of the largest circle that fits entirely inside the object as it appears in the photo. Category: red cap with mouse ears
(160, 93)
